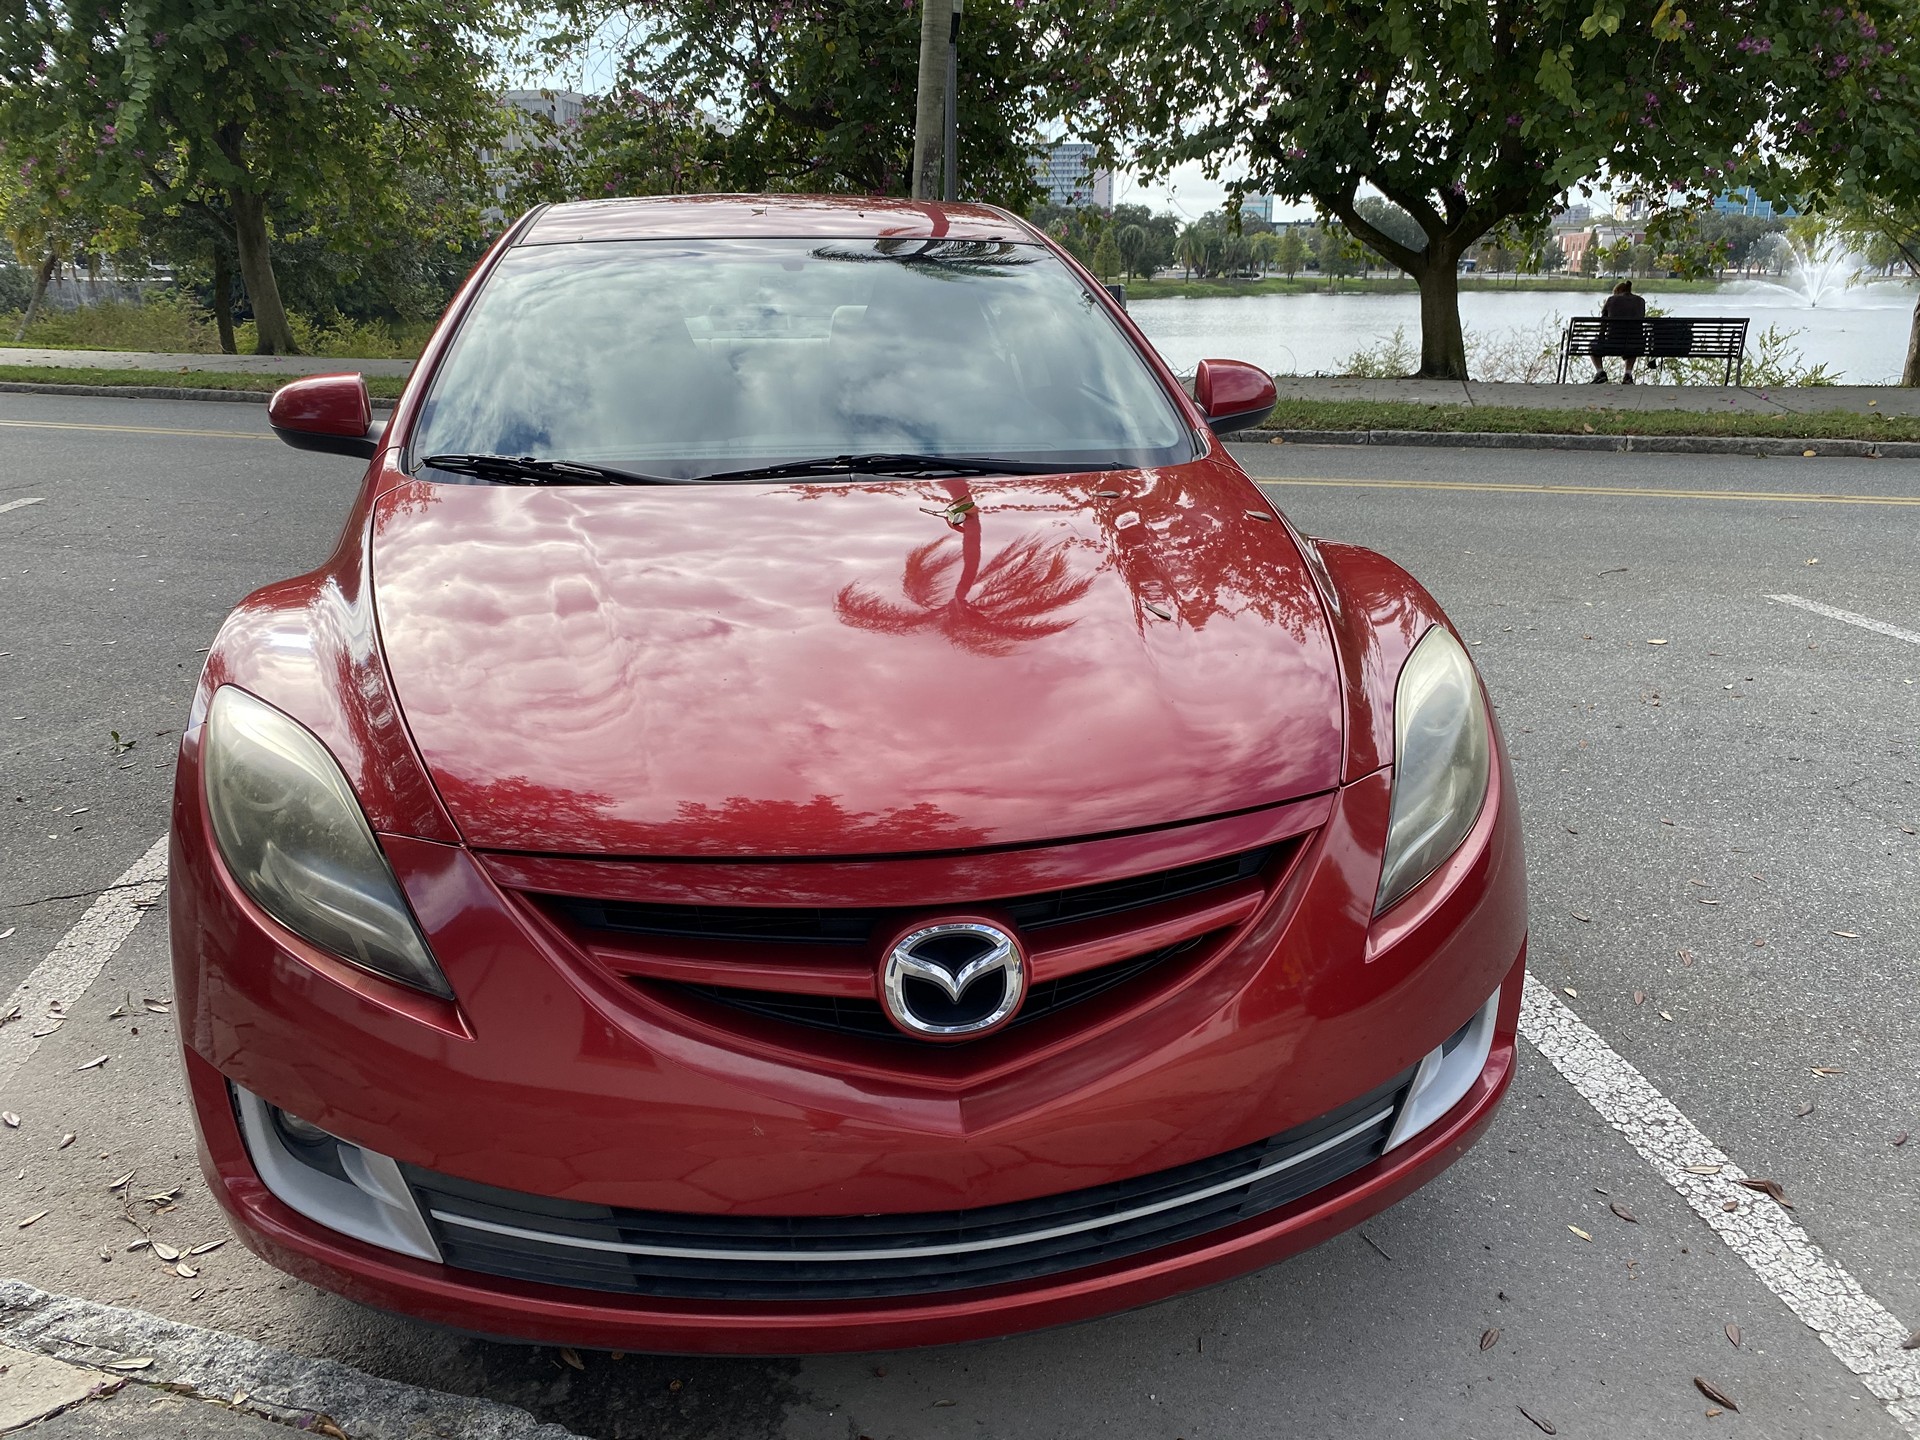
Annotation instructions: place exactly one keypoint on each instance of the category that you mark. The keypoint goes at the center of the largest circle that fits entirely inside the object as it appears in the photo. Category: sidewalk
(1713, 399)
(233, 364)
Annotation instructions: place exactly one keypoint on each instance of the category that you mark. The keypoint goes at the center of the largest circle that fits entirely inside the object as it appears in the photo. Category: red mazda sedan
(815, 807)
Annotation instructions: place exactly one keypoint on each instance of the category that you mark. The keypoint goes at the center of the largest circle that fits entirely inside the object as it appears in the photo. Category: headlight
(292, 833)
(1440, 760)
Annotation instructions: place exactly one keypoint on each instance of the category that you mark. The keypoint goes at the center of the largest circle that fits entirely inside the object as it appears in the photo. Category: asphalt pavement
(1720, 791)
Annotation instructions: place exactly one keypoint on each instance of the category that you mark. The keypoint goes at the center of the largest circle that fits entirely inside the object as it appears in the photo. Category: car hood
(848, 668)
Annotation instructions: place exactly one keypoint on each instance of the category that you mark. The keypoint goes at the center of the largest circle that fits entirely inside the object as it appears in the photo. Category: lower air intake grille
(722, 1257)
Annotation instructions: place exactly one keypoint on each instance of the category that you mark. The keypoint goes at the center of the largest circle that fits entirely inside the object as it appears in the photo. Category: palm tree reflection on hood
(986, 607)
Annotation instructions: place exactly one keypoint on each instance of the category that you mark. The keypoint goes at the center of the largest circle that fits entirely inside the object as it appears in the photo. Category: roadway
(1720, 828)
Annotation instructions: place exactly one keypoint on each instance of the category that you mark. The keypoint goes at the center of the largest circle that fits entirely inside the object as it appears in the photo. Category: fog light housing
(331, 1181)
(1446, 1074)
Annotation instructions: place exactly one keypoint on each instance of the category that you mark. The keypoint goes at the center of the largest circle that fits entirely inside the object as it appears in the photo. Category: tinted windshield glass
(689, 358)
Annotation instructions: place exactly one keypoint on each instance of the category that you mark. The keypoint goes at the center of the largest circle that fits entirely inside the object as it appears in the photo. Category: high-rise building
(1067, 173)
(1257, 207)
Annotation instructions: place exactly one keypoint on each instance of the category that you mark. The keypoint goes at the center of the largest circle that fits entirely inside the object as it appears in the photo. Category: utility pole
(937, 21)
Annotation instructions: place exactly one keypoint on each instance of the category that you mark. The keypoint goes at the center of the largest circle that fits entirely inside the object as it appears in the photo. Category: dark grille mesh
(796, 1271)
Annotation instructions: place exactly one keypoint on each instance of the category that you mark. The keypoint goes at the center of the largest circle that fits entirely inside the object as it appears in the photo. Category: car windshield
(687, 359)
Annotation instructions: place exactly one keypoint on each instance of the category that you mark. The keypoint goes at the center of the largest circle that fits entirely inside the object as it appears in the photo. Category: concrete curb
(278, 1384)
(153, 392)
(1635, 444)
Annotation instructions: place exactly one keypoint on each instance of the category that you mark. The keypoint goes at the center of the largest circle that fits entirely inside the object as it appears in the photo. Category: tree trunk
(930, 112)
(40, 283)
(223, 300)
(275, 336)
(1910, 374)
(1443, 344)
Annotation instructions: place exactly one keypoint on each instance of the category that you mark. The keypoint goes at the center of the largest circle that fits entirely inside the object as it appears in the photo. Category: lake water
(1860, 333)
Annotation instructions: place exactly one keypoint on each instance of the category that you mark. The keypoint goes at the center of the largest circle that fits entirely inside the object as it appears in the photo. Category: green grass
(1394, 285)
(381, 387)
(1596, 420)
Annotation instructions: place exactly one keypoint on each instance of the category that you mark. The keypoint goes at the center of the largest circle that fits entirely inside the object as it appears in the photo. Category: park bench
(1690, 337)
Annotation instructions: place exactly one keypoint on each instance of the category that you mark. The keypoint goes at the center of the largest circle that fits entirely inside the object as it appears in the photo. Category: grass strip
(381, 387)
(1594, 420)
(1171, 289)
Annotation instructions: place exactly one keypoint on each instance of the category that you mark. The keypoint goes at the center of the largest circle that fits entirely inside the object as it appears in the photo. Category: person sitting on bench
(1622, 317)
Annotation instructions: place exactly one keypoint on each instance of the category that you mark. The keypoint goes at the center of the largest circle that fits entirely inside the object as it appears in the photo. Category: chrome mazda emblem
(953, 981)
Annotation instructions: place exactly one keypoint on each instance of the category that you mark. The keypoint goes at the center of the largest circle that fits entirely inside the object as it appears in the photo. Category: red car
(815, 807)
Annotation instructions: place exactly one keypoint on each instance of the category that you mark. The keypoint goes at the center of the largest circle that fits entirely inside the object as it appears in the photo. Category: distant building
(1745, 201)
(1065, 171)
(562, 108)
(1257, 207)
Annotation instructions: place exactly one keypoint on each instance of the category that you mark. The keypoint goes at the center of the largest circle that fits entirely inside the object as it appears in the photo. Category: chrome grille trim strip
(908, 1252)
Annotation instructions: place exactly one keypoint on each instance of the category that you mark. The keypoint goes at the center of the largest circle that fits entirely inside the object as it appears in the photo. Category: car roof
(686, 217)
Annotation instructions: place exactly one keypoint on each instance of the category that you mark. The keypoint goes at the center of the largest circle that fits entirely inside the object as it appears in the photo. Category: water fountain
(1823, 266)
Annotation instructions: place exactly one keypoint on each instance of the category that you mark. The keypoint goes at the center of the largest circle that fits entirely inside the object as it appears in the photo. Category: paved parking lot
(1719, 763)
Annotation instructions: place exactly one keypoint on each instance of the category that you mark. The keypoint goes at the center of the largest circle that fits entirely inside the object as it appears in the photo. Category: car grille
(739, 1258)
(629, 937)
(811, 925)
(850, 1016)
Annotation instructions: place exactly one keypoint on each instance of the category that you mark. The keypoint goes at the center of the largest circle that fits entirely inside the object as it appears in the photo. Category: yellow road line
(1635, 491)
(135, 429)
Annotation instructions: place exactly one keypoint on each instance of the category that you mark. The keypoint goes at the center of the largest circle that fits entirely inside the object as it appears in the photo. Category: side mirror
(1233, 395)
(329, 413)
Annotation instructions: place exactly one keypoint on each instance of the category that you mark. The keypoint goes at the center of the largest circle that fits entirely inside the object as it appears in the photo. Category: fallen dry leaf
(165, 1251)
(572, 1357)
(1714, 1393)
(1805, 1110)
(1656, 642)
(1829, 1070)
(1490, 1338)
(1639, 997)
(1583, 919)
(37, 1215)
(124, 1180)
(9, 1119)
(1912, 1342)
(209, 1246)
(1581, 1233)
(1733, 1332)
(66, 1140)
(1667, 1016)
(1769, 1188)
(1846, 934)
(1622, 1211)
(1730, 1206)
(1571, 992)
(139, 1244)
(1901, 1138)
(137, 1363)
(93, 1064)
(1704, 1169)
(1705, 901)
(185, 1271)
(1545, 1426)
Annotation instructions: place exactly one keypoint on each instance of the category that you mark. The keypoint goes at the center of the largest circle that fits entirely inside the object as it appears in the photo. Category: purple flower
(1513, 122)
(329, 90)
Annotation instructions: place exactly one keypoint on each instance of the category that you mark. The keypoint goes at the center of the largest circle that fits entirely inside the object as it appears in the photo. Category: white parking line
(278, 1383)
(1858, 1329)
(21, 504)
(45, 996)
(1865, 622)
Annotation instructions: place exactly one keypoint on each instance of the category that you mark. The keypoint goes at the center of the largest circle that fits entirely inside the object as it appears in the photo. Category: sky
(1188, 194)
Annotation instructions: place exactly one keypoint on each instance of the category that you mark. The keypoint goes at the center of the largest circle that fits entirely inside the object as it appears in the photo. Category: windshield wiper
(531, 470)
(901, 464)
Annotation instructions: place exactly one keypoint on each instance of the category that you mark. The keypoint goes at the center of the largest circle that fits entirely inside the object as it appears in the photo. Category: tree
(1337, 251)
(1106, 255)
(1133, 243)
(1469, 117)
(1292, 253)
(816, 97)
(1266, 249)
(246, 113)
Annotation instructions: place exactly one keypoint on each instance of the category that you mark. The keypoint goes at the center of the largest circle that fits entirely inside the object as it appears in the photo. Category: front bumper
(541, 1083)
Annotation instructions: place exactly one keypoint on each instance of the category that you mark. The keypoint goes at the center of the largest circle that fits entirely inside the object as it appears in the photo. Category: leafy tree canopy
(1474, 116)
(248, 111)
(809, 96)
